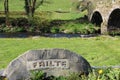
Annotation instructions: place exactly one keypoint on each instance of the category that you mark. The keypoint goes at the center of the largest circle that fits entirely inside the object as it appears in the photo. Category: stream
(26, 35)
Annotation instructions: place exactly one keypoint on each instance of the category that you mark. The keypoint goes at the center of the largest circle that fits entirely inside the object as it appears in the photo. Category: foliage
(114, 32)
(1, 78)
(31, 6)
(37, 75)
(21, 24)
(79, 28)
(106, 74)
(13, 29)
(73, 76)
(54, 30)
(41, 24)
(2, 20)
(97, 74)
(15, 21)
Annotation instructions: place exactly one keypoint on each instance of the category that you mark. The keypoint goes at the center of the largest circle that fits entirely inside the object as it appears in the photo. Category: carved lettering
(58, 63)
(34, 64)
(64, 63)
(46, 63)
(41, 64)
(52, 63)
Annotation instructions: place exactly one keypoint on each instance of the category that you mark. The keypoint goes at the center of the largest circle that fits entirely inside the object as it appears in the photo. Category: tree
(31, 6)
(6, 9)
(86, 5)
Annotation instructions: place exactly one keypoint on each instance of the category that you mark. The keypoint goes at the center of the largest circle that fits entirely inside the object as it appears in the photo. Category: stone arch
(114, 20)
(96, 18)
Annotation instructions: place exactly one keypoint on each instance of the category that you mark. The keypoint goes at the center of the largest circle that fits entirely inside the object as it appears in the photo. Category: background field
(99, 51)
(51, 6)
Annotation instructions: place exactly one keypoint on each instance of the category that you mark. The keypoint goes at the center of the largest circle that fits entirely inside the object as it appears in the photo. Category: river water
(26, 35)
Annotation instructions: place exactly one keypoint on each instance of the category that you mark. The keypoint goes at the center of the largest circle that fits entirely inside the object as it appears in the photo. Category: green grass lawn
(99, 51)
(52, 6)
(48, 5)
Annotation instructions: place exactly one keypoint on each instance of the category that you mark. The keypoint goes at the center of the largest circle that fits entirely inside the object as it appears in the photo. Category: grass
(13, 5)
(55, 5)
(99, 51)
(52, 6)
(67, 16)
(97, 74)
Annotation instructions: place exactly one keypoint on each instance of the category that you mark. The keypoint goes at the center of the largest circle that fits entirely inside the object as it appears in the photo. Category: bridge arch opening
(96, 19)
(114, 21)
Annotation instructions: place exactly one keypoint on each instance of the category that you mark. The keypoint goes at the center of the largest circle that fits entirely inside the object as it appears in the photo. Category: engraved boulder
(53, 62)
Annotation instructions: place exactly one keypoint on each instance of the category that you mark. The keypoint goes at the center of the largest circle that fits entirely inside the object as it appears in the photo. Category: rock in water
(54, 62)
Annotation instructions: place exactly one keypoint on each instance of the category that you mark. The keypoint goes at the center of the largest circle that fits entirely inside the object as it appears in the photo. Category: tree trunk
(30, 7)
(33, 7)
(6, 9)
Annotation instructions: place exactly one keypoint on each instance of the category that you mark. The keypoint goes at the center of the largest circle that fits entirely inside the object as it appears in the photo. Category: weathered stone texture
(17, 69)
(109, 11)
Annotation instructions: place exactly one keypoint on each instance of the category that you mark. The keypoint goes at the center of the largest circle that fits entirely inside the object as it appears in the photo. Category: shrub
(21, 21)
(2, 20)
(54, 30)
(106, 74)
(114, 32)
(1, 27)
(13, 29)
(30, 29)
(74, 76)
(37, 75)
(79, 28)
(96, 74)
(22, 24)
(41, 24)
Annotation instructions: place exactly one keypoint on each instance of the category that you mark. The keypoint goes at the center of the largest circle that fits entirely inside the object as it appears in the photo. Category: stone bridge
(104, 13)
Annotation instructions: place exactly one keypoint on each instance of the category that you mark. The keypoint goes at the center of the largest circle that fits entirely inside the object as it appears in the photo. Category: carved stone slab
(55, 62)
